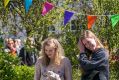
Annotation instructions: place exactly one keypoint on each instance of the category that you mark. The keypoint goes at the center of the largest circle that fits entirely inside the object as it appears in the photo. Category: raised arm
(99, 60)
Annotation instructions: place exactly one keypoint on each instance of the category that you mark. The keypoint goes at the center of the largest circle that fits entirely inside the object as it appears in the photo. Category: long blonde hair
(59, 51)
(88, 33)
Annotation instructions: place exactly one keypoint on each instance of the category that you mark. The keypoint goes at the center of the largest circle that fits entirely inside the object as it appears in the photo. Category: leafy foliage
(24, 73)
(7, 63)
(11, 70)
(37, 26)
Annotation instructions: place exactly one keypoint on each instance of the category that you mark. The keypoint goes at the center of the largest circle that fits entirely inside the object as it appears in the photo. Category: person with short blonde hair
(52, 65)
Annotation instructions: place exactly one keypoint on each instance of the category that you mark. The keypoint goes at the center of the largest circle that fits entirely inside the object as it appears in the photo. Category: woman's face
(10, 43)
(50, 51)
(90, 43)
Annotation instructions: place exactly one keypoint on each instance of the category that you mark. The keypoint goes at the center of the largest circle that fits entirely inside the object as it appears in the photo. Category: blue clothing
(98, 62)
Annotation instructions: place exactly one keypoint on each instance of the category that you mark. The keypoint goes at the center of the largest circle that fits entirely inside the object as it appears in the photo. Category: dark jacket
(98, 64)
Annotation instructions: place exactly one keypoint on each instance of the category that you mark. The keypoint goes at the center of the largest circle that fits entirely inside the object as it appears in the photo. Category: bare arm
(68, 69)
(37, 70)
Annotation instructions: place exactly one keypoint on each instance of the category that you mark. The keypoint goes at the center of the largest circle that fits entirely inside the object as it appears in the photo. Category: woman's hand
(81, 46)
(53, 76)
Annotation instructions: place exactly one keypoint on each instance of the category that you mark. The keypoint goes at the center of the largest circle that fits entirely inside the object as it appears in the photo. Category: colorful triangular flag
(67, 16)
(114, 19)
(47, 7)
(6, 2)
(91, 20)
(27, 5)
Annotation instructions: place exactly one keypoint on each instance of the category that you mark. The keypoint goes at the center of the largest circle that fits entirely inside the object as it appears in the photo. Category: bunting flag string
(6, 2)
(68, 14)
(90, 14)
(47, 7)
(114, 18)
(27, 5)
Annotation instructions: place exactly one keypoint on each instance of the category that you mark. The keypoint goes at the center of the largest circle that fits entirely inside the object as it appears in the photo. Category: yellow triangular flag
(6, 2)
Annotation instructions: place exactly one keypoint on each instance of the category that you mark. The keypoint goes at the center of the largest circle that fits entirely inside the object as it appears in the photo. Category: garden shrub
(76, 73)
(24, 73)
(10, 68)
(114, 67)
(7, 64)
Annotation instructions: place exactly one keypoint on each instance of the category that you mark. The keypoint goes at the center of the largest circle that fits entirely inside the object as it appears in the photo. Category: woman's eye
(88, 42)
(50, 50)
(45, 50)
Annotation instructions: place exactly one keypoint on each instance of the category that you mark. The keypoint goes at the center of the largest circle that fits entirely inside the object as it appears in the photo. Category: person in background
(93, 57)
(10, 46)
(18, 46)
(20, 51)
(52, 65)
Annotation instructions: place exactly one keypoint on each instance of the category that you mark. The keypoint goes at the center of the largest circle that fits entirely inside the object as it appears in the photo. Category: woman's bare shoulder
(39, 60)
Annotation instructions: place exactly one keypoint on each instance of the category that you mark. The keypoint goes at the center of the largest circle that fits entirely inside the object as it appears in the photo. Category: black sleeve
(95, 61)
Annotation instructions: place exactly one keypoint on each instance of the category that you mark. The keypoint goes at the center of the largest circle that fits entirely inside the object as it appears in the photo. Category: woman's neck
(51, 61)
(98, 47)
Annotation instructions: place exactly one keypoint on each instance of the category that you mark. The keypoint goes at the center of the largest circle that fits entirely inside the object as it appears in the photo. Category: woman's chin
(92, 49)
(50, 57)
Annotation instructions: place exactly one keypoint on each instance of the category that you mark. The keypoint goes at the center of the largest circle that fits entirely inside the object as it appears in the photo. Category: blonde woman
(10, 46)
(93, 57)
(52, 65)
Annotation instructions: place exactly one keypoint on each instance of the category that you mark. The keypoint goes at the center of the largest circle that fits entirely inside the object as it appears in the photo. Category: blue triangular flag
(27, 4)
(67, 16)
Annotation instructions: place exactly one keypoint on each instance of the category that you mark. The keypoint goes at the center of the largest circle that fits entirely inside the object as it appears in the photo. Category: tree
(37, 25)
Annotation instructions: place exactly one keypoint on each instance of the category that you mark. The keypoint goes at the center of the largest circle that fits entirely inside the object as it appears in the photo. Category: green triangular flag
(114, 19)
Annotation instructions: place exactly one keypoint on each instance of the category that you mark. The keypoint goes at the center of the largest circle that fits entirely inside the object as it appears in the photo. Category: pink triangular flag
(46, 8)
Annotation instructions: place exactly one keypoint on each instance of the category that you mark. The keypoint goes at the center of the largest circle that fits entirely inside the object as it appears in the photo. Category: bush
(114, 67)
(11, 70)
(24, 73)
(7, 64)
(76, 73)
